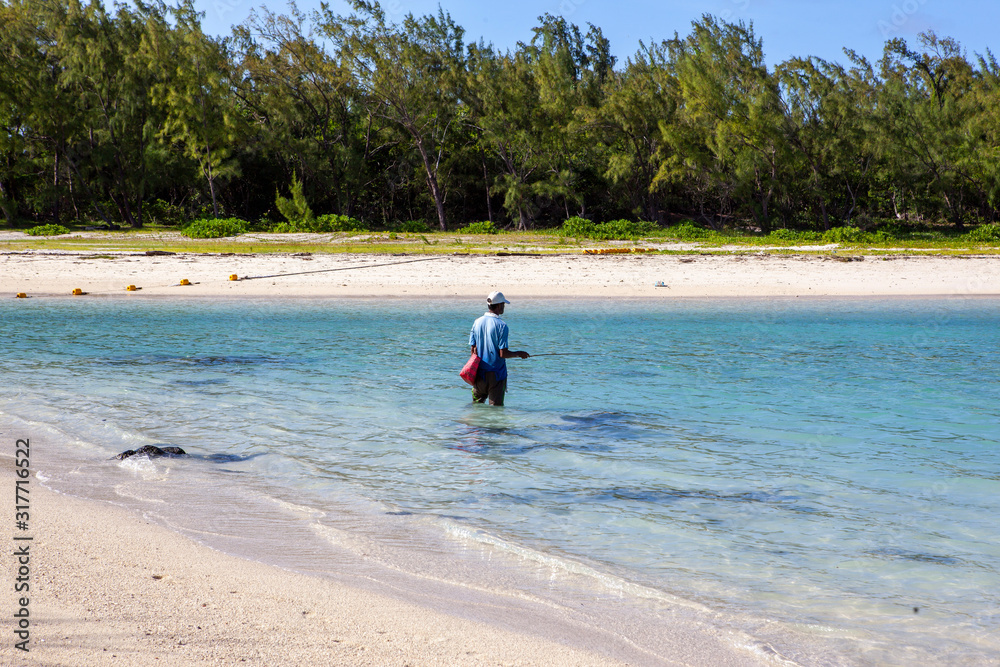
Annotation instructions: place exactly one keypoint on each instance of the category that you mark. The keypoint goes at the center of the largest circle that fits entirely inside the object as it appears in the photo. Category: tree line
(135, 115)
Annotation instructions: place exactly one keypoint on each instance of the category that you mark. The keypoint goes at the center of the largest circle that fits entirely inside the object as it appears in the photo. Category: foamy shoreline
(47, 273)
(108, 586)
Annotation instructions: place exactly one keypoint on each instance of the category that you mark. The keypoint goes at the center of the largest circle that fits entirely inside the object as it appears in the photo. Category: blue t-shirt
(489, 335)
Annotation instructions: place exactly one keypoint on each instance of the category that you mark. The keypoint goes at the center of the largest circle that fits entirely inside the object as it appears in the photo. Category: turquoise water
(822, 475)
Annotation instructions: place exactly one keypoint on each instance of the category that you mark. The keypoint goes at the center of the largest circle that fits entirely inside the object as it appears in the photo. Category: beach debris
(234, 277)
(660, 283)
(152, 451)
(132, 288)
(78, 292)
(21, 295)
(615, 251)
(159, 253)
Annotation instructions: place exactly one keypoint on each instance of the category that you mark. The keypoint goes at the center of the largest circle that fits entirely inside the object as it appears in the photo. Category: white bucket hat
(496, 298)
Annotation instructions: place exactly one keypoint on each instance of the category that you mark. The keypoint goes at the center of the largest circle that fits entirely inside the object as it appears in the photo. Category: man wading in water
(489, 341)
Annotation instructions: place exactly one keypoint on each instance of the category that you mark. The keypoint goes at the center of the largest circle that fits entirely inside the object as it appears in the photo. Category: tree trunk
(432, 183)
(489, 204)
(90, 194)
(5, 205)
(55, 184)
(72, 195)
(765, 219)
(211, 180)
(438, 201)
(956, 211)
(854, 203)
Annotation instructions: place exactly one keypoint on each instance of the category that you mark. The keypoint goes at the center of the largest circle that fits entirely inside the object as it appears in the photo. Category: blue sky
(788, 28)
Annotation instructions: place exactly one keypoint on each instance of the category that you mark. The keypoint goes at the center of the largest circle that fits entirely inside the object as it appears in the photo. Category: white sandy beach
(49, 273)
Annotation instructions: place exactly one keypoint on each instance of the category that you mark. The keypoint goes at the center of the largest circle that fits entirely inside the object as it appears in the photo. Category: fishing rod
(560, 354)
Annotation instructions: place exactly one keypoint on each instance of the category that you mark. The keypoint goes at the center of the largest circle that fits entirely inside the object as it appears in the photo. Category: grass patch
(323, 224)
(613, 230)
(923, 242)
(215, 228)
(485, 227)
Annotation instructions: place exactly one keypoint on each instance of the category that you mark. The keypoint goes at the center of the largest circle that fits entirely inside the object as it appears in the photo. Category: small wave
(136, 492)
(610, 582)
(300, 510)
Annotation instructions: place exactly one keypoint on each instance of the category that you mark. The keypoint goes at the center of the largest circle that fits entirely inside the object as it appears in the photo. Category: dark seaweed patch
(226, 458)
(668, 496)
(203, 361)
(596, 419)
(508, 441)
(198, 383)
(916, 556)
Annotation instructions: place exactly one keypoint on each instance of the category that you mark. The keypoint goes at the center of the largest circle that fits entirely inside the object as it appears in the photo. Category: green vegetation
(296, 211)
(47, 230)
(624, 230)
(485, 227)
(310, 122)
(987, 234)
(324, 223)
(578, 227)
(688, 231)
(215, 228)
(412, 227)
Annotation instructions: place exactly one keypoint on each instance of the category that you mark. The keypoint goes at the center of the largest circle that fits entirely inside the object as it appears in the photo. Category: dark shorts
(486, 386)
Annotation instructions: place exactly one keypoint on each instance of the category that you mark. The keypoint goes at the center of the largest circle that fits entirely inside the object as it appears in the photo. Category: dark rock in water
(152, 451)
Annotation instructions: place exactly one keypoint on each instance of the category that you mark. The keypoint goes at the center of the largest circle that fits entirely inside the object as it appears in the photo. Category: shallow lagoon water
(823, 473)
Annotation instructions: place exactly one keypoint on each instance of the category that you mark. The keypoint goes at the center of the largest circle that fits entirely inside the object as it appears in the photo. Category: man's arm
(507, 354)
(474, 350)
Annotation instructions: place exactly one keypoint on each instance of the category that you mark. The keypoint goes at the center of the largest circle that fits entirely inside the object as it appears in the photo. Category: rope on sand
(346, 268)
